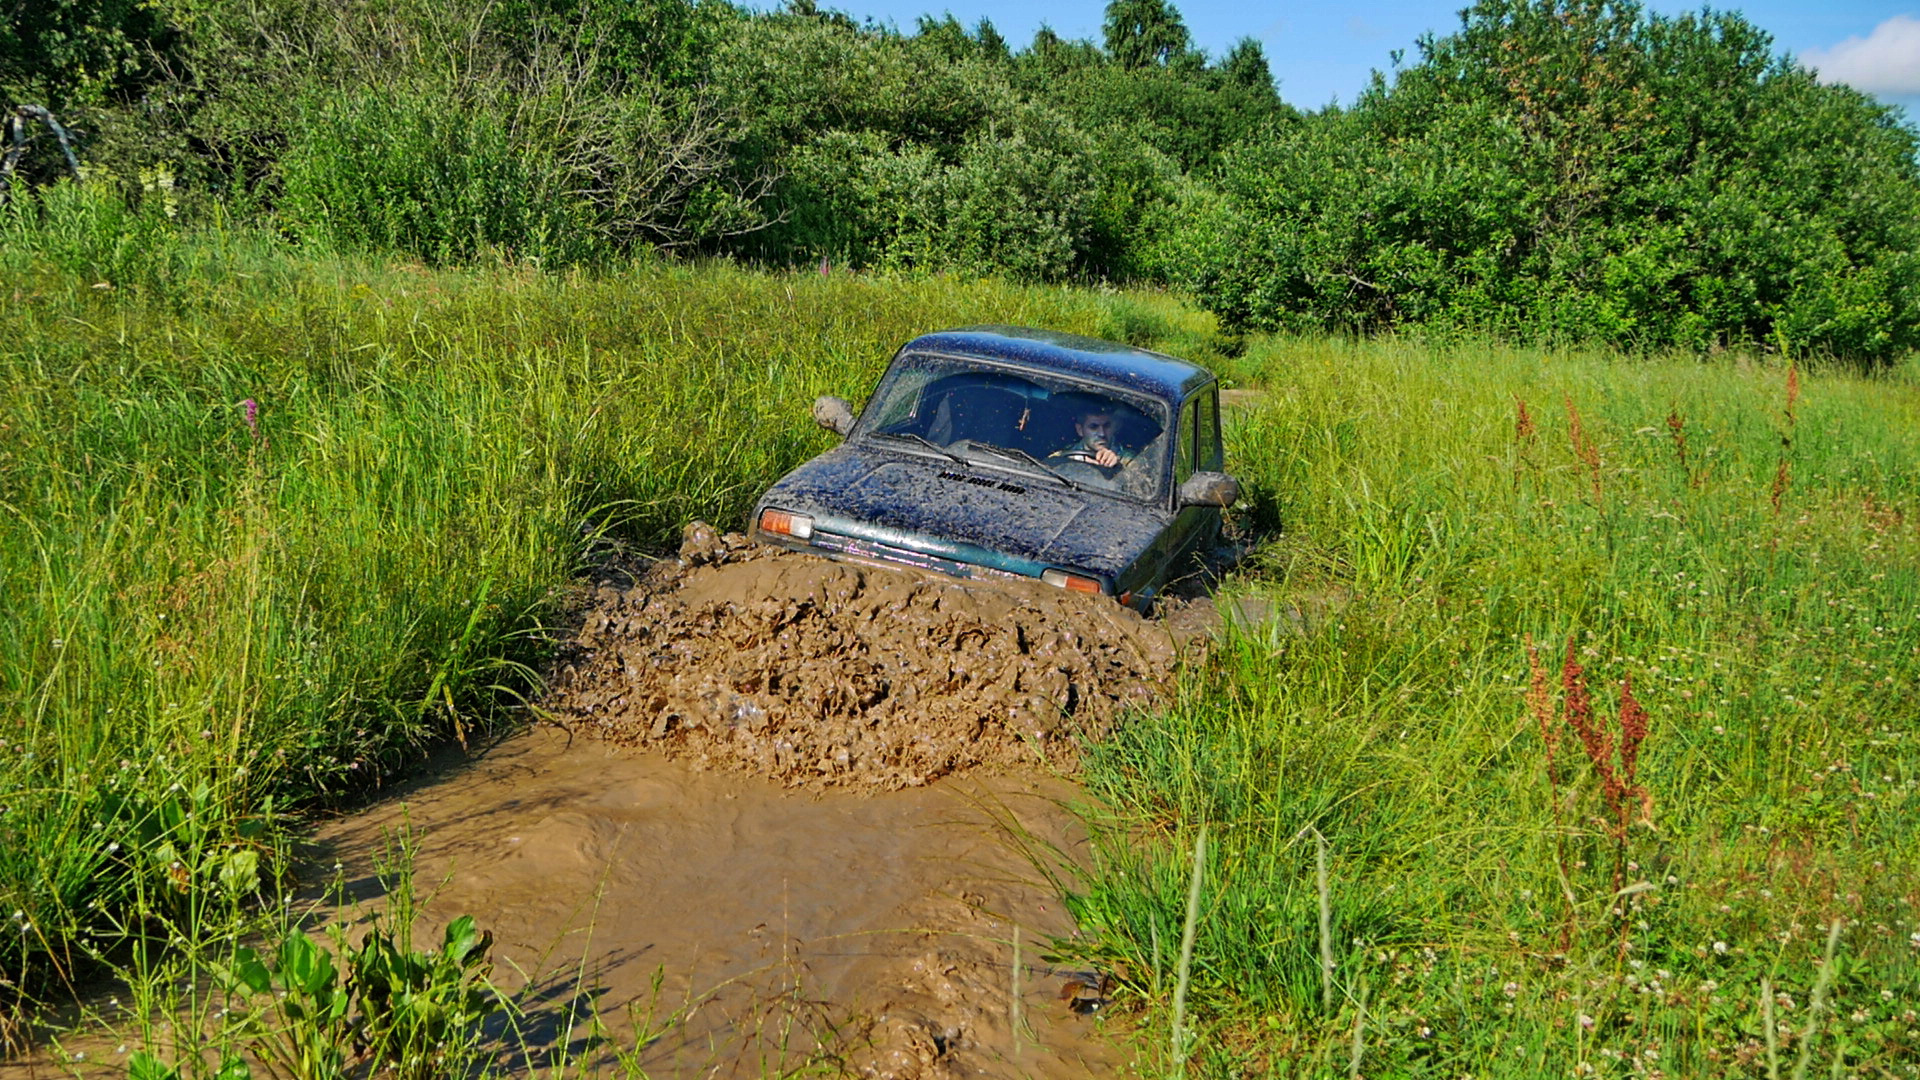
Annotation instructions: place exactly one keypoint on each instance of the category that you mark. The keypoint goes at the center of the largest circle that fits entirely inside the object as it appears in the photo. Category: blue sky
(1324, 52)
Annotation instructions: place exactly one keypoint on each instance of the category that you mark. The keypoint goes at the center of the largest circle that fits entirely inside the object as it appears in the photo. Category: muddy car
(999, 452)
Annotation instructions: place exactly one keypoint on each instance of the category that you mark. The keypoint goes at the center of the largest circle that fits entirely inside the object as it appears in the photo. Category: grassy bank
(1739, 542)
(272, 520)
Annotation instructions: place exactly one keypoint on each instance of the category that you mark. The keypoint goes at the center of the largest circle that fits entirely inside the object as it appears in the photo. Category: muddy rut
(867, 923)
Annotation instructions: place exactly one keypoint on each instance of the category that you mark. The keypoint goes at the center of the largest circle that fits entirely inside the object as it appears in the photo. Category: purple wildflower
(252, 408)
(825, 268)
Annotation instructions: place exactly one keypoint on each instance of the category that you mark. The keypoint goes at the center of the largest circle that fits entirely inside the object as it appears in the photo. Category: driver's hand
(1105, 457)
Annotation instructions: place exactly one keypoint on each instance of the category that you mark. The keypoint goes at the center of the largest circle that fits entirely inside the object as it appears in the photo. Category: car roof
(1102, 361)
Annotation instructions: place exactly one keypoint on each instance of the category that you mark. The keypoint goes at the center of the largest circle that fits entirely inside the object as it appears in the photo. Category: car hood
(1017, 513)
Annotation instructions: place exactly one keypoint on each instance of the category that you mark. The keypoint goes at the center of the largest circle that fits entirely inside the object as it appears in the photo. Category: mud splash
(860, 935)
(818, 673)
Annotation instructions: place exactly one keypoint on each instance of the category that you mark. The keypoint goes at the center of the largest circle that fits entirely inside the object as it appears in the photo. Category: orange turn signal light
(1071, 582)
(786, 523)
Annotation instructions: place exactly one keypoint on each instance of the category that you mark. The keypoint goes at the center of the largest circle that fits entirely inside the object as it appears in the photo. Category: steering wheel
(1081, 467)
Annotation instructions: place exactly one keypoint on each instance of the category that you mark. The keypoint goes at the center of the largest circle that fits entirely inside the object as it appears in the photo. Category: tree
(945, 36)
(992, 45)
(1140, 33)
(79, 52)
(1245, 65)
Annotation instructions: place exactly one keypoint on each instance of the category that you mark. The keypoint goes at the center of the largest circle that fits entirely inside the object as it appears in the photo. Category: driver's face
(1104, 425)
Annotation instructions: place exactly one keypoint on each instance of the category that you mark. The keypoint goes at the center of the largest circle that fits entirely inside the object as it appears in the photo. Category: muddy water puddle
(751, 930)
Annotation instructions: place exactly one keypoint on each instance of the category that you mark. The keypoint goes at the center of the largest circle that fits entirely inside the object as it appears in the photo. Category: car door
(1209, 454)
(1195, 446)
(1199, 451)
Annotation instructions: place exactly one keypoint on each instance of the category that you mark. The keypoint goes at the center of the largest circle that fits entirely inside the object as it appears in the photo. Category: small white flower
(1720, 947)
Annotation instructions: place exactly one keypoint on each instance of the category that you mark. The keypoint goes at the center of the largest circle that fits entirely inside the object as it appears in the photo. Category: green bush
(1572, 171)
(857, 201)
(1019, 200)
(421, 170)
(1027, 199)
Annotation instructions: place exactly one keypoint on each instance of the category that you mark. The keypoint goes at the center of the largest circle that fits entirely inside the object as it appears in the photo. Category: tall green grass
(206, 619)
(205, 622)
(1421, 538)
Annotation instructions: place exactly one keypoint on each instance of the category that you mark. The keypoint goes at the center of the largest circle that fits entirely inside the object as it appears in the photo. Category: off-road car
(996, 451)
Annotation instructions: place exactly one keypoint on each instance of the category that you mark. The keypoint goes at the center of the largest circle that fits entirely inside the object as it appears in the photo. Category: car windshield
(1095, 436)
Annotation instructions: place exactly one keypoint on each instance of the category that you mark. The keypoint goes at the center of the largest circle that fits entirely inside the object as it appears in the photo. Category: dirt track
(818, 673)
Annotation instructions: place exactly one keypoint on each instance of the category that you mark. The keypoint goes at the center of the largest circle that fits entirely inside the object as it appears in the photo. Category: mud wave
(819, 673)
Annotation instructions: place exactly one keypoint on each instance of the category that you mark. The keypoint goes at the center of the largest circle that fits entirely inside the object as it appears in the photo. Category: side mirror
(834, 414)
(1210, 489)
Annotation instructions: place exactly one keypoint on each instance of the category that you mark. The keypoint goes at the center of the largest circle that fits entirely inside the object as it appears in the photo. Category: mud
(868, 936)
(819, 673)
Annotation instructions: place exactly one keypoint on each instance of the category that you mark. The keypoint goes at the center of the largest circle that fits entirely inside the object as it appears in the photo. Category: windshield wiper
(1024, 457)
(908, 436)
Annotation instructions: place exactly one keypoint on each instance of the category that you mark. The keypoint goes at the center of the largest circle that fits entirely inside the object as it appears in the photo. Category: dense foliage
(1553, 169)
(1578, 171)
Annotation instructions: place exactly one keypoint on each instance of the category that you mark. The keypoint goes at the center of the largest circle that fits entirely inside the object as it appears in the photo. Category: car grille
(874, 551)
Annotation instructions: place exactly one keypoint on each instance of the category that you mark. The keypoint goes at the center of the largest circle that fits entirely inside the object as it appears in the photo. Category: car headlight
(786, 523)
(1071, 582)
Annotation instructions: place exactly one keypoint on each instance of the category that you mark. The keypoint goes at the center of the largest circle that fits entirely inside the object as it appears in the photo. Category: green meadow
(1564, 725)
(1727, 550)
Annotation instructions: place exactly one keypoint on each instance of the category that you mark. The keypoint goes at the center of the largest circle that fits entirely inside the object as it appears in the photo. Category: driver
(1098, 426)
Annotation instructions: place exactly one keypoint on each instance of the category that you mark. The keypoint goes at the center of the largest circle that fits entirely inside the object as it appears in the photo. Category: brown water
(872, 933)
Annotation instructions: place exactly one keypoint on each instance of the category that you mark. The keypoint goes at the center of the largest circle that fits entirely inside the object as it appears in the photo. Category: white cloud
(1885, 62)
